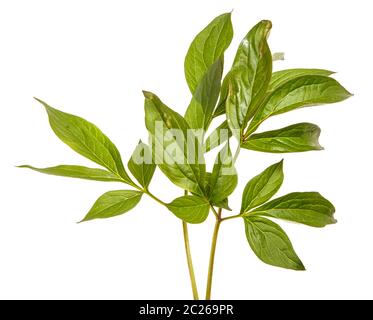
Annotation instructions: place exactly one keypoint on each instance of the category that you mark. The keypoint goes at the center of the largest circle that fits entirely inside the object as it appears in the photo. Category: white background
(93, 58)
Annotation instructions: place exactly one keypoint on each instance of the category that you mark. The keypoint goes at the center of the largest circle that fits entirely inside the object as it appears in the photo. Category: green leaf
(223, 179)
(262, 187)
(77, 172)
(141, 164)
(202, 105)
(237, 104)
(299, 137)
(309, 208)
(222, 204)
(281, 77)
(221, 107)
(86, 139)
(217, 137)
(297, 93)
(191, 209)
(207, 182)
(113, 203)
(207, 47)
(271, 244)
(247, 82)
(174, 153)
(278, 78)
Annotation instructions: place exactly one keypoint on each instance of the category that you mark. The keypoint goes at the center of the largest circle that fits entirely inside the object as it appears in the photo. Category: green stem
(146, 191)
(154, 197)
(212, 256)
(245, 136)
(190, 261)
(231, 217)
(186, 242)
(216, 214)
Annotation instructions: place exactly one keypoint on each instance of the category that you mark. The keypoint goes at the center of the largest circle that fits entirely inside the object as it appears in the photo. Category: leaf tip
(87, 217)
(267, 24)
(37, 99)
(301, 266)
(347, 94)
(45, 105)
(40, 101)
(83, 220)
(281, 163)
(226, 15)
(147, 94)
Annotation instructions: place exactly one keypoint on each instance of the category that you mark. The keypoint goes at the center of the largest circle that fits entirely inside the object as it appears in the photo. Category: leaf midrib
(118, 203)
(93, 152)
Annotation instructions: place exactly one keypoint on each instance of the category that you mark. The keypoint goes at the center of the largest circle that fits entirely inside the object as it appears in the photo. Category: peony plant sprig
(244, 98)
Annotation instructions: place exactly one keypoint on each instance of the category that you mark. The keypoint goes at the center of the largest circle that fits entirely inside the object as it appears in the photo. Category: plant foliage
(247, 95)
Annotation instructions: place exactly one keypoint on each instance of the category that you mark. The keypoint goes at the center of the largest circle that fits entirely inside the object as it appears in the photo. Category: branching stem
(212, 254)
